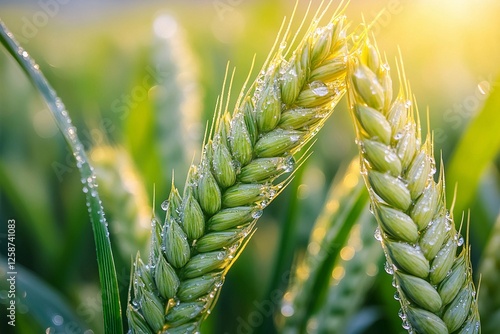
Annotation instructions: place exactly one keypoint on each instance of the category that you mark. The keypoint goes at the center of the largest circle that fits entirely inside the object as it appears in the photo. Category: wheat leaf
(105, 262)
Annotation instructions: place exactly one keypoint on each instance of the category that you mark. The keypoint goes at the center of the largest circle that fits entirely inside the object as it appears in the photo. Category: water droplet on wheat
(164, 205)
(318, 88)
(389, 268)
(257, 214)
(401, 314)
(396, 296)
(484, 87)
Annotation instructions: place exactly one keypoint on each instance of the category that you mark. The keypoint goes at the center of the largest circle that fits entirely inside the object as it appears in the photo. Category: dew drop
(164, 205)
(72, 132)
(294, 138)
(263, 204)
(289, 165)
(396, 296)
(257, 214)
(319, 88)
(377, 234)
(398, 135)
(484, 87)
(389, 268)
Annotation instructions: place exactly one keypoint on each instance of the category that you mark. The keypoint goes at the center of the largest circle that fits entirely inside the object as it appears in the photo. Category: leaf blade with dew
(105, 262)
(489, 304)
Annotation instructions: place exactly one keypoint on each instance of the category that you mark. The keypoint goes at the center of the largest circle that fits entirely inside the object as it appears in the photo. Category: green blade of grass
(489, 301)
(478, 147)
(345, 295)
(345, 203)
(107, 273)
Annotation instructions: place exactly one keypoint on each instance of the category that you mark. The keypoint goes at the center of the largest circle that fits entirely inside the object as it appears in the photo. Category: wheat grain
(434, 284)
(246, 151)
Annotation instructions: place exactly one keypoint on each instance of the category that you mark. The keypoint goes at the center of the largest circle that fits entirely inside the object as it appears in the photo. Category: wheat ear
(246, 151)
(120, 185)
(425, 254)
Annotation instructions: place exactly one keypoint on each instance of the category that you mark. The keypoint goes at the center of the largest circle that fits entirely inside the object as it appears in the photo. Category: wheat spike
(243, 155)
(427, 257)
(121, 186)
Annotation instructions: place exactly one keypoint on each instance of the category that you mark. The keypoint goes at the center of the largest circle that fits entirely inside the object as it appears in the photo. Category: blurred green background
(140, 82)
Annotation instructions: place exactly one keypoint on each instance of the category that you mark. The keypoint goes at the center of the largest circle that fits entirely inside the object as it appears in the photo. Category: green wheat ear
(244, 154)
(121, 186)
(426, 256)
